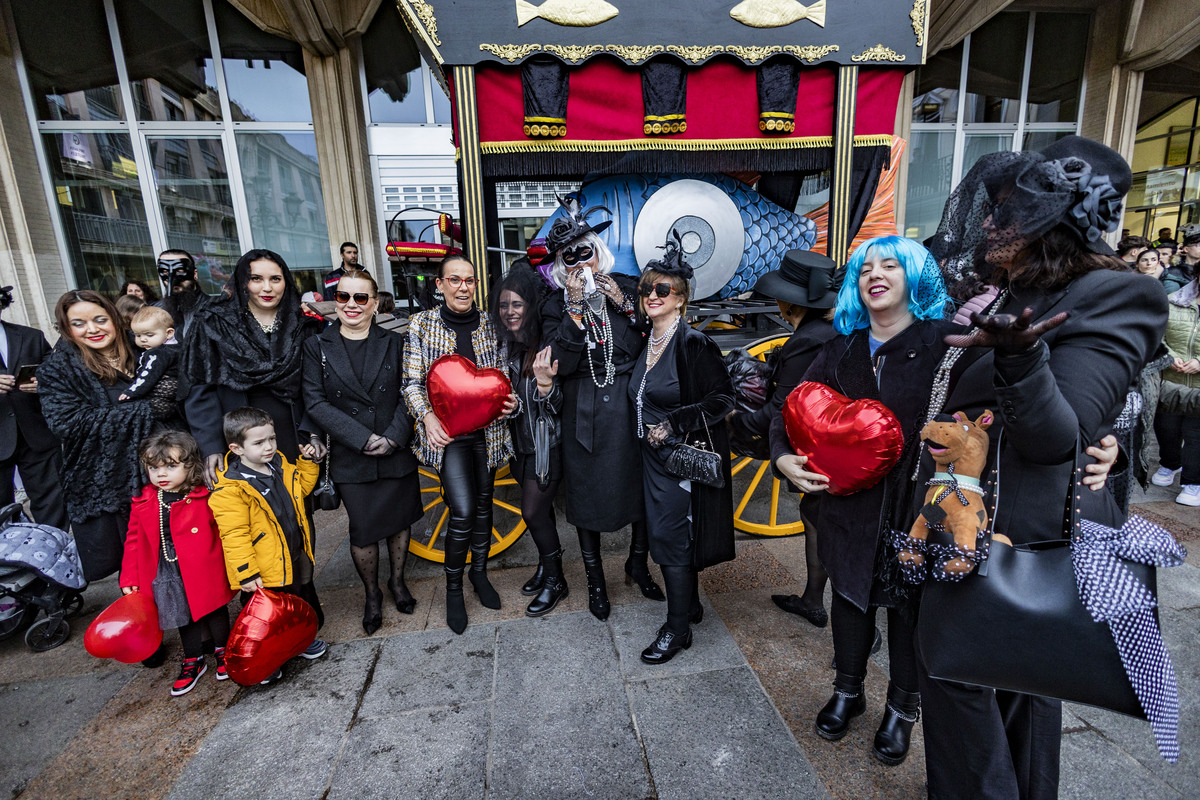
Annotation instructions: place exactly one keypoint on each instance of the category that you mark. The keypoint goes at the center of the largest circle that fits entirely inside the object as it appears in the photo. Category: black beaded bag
(697, 461)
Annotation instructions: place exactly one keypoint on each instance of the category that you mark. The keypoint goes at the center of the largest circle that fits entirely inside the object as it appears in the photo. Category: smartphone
(26, 373)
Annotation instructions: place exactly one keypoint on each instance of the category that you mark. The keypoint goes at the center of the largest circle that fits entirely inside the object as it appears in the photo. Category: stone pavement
(557, 707)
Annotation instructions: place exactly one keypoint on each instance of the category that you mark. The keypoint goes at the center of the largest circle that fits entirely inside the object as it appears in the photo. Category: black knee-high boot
(480, 544)
(676, 635)
(589, 548)
(457, 542)
(554, 587)
(637, 566)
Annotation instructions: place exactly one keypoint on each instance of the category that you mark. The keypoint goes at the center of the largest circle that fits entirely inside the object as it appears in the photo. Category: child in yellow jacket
(259, 507)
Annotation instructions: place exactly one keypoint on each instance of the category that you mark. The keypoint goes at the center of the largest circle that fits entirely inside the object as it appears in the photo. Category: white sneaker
(1190, 496)
(1164, 476)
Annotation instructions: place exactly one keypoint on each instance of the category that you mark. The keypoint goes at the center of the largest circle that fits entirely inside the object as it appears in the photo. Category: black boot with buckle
(554, 587)
(847, 703)
(902, 711)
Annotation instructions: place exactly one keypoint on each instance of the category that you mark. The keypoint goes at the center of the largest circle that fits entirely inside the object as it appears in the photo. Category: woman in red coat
(173, 549)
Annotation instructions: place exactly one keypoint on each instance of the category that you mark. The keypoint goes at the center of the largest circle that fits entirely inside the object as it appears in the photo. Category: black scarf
(228, 347)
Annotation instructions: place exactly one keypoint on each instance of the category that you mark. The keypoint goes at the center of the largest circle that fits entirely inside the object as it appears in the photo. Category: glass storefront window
(441, 105)
(392, 64)
(1037, 140)
(264, 74)
(994, 74)
(169, 60)
(196, 203)
(1056, 67)
(69, 60)
(287, 213)
(100, 203)
(930, 170)
(980, 144)
(935, 94)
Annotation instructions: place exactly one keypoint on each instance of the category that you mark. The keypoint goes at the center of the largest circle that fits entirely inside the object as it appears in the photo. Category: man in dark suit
(25, 441)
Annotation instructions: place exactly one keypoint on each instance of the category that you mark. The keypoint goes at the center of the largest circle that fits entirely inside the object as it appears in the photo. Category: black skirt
(523, 466)
(381, 508)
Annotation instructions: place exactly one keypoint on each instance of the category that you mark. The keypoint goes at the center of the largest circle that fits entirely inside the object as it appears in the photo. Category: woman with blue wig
(889, 320)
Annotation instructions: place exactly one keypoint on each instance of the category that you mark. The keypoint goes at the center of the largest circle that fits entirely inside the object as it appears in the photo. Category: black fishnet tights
(366, 561)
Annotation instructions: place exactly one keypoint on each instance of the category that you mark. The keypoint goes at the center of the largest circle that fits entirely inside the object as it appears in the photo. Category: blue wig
(927, 298)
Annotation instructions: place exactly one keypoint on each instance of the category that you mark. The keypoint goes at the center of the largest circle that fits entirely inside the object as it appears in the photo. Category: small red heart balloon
(854, 442)
(126, 631)
(272, 628)
(464, 397)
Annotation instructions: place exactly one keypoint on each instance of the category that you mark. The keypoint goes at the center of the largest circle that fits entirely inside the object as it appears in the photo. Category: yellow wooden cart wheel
(763, 516)
(428, 534)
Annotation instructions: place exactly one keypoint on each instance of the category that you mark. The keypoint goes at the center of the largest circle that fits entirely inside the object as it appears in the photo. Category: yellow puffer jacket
(251, 535)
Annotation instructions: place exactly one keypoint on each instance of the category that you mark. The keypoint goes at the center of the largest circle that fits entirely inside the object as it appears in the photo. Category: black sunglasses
(576, 254)
(362, 298)
(660, 289)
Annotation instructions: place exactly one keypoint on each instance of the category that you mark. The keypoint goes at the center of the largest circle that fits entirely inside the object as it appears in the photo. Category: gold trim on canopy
(620, 145)
(920, 11)
(878, 53)
(636, 54)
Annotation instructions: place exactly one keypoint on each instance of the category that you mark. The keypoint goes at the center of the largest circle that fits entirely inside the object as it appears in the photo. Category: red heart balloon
(854, 442)
(126, 631)
(272, 628)
(464, 397)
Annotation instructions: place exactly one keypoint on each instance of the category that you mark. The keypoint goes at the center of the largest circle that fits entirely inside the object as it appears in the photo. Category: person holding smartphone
(26, 443)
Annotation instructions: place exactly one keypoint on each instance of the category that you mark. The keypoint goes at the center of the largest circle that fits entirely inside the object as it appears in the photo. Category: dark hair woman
(1074, 327)
(467, 463)
(352, 376)
(536, 428)
(139, 289)
(243, 349)
(680, 391)
(593, 335)
(79, 385)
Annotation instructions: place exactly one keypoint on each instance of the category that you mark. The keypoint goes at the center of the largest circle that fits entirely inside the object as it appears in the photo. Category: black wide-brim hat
(804, 278)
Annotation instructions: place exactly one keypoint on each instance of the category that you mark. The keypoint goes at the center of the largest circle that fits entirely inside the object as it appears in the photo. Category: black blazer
(19, 410)
(350, 410)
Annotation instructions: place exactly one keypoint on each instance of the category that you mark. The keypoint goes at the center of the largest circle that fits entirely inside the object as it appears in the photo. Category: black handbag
(1019, 625)
(696, 462)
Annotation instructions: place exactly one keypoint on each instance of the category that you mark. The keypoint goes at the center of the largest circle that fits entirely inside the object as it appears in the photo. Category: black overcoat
(602, 462)
(350, 410)
(900, 376)
(20, 410)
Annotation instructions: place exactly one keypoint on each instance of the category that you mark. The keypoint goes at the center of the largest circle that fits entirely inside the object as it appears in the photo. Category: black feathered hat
(672, 262)
(573, 224)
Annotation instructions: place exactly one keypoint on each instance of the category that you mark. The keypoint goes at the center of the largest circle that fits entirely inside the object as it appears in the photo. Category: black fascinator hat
(573, 224)
(672, 262)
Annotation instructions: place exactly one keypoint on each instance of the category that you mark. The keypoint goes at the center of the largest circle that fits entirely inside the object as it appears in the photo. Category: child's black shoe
(222, 672)
(189, 676)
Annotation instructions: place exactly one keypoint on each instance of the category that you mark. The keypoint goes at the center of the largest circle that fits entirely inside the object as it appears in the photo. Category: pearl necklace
(600, 327)
(658, 345)
(162, 533)
(268, 328)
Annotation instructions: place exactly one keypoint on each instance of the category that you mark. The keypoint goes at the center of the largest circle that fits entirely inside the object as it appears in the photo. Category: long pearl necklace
(162, 533)
(658, 345)
(600, 327)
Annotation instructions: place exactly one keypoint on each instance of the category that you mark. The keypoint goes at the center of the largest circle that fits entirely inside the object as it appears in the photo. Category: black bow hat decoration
(573, 224)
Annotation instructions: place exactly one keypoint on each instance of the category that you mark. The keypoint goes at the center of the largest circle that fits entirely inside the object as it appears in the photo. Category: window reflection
(283, 193)
(996, 64)
(264, 74)
(1056, 67)
(935, 95)
(100, 201)
(930, 171)
(169, 60)
(69, 59)
(395, 87)
(197, 207)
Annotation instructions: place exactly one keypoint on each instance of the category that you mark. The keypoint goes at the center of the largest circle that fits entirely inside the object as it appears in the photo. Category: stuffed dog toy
(954, 502)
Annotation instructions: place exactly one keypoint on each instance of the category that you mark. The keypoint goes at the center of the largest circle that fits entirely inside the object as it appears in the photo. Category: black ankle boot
(478, 574)
(554, 588)
(847, 702)
(666, 645)
(597, 590)
(534, 584)
(456, 609)
(637, 570)
(902, 711)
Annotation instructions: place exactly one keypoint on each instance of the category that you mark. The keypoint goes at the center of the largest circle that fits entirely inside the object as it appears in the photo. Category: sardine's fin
(816, 12)
(527, 12)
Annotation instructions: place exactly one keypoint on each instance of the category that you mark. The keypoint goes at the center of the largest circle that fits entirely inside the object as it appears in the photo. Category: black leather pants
(467, 486)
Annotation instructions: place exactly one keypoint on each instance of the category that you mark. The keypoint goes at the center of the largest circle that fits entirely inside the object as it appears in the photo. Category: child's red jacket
(197, 543)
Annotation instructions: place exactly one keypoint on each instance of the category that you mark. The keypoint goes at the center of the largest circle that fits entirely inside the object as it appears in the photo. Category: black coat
(99, 435)
(706, 396)
(20, 410)
(1071, 389)
(853, 526)
(350, 410)
(602, 460)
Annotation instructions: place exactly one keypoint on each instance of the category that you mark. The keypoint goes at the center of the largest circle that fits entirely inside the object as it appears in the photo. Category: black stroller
(39, 571)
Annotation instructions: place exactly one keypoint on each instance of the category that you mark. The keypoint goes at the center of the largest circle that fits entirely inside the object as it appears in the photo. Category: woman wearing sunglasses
(352, 374)
(591, 330)
(681, 393)
(467, 463)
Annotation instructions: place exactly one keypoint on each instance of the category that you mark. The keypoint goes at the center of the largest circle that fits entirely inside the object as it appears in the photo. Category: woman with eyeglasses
(681, 394)
(352, 377)
(591, 329)
(467, 463)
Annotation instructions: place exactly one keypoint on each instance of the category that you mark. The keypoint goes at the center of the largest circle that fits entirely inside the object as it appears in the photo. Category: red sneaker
(189, 676)
(222, 673)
